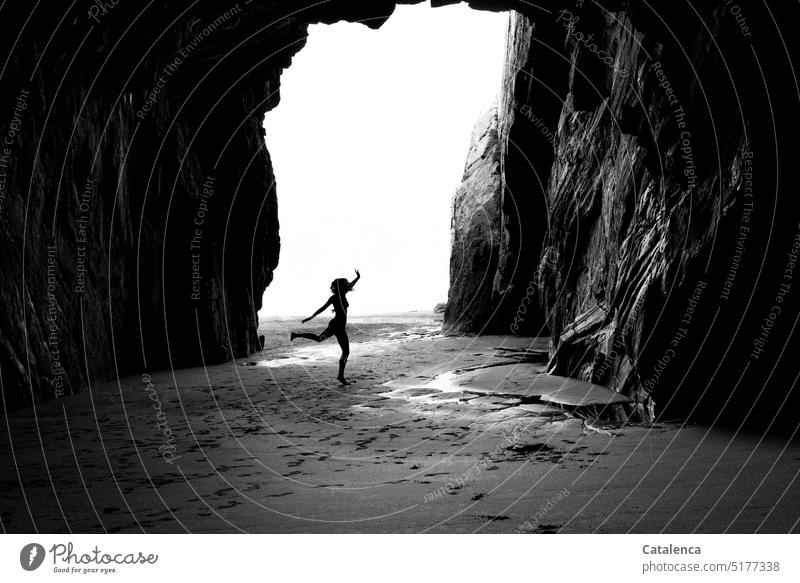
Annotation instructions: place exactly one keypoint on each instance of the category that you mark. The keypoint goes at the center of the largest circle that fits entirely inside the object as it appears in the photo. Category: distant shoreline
(411, 314)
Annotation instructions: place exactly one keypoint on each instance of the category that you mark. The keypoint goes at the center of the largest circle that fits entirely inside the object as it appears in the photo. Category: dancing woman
(337, 326)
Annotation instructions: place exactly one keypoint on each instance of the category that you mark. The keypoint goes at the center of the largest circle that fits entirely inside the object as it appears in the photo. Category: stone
(475, 234)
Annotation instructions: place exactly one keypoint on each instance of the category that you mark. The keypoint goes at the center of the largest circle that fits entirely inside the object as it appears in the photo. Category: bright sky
(368, 145)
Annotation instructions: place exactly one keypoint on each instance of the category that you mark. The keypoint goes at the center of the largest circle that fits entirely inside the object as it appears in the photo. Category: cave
(635, 182)
(159, 282)
(601, 228)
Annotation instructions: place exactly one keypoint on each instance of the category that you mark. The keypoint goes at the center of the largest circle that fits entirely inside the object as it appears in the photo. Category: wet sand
(436, 434)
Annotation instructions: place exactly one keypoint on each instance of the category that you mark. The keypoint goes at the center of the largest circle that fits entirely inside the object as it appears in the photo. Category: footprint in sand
(487, 517)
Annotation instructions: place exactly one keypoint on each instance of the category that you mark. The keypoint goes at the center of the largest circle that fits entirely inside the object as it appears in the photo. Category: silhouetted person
(336, 327)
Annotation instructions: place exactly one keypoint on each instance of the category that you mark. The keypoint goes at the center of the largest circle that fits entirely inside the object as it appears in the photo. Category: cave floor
(274, 444)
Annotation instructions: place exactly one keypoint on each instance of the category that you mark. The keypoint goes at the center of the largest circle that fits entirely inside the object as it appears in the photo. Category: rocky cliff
(475, 234)
(646, 161)
(139, 216)
(670, 219)
(645, 211)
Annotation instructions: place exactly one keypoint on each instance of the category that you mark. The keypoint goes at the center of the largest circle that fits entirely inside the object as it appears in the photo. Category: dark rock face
(530, 102)
(494, 282)
(644, 213)
(139, 214)
(661, 212)
(645, 202)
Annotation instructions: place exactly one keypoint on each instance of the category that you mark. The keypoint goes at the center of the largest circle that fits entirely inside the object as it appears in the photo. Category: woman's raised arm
(352, 283)
(318, 312)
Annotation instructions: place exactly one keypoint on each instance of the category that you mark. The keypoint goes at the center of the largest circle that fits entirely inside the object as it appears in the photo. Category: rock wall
(475, 234)
(646, 160)
(139, 213)
(529, 104)
(671, 229)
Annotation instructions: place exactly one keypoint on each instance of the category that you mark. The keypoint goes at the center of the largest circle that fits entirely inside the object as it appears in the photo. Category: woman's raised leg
(308, 336)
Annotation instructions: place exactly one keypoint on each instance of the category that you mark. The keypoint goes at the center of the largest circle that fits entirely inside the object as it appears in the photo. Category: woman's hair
(341, 285)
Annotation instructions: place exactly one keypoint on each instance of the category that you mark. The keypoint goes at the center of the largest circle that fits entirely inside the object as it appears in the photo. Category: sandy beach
(435, 434)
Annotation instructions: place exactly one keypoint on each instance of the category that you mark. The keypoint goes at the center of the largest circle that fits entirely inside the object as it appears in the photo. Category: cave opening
(368, 147)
